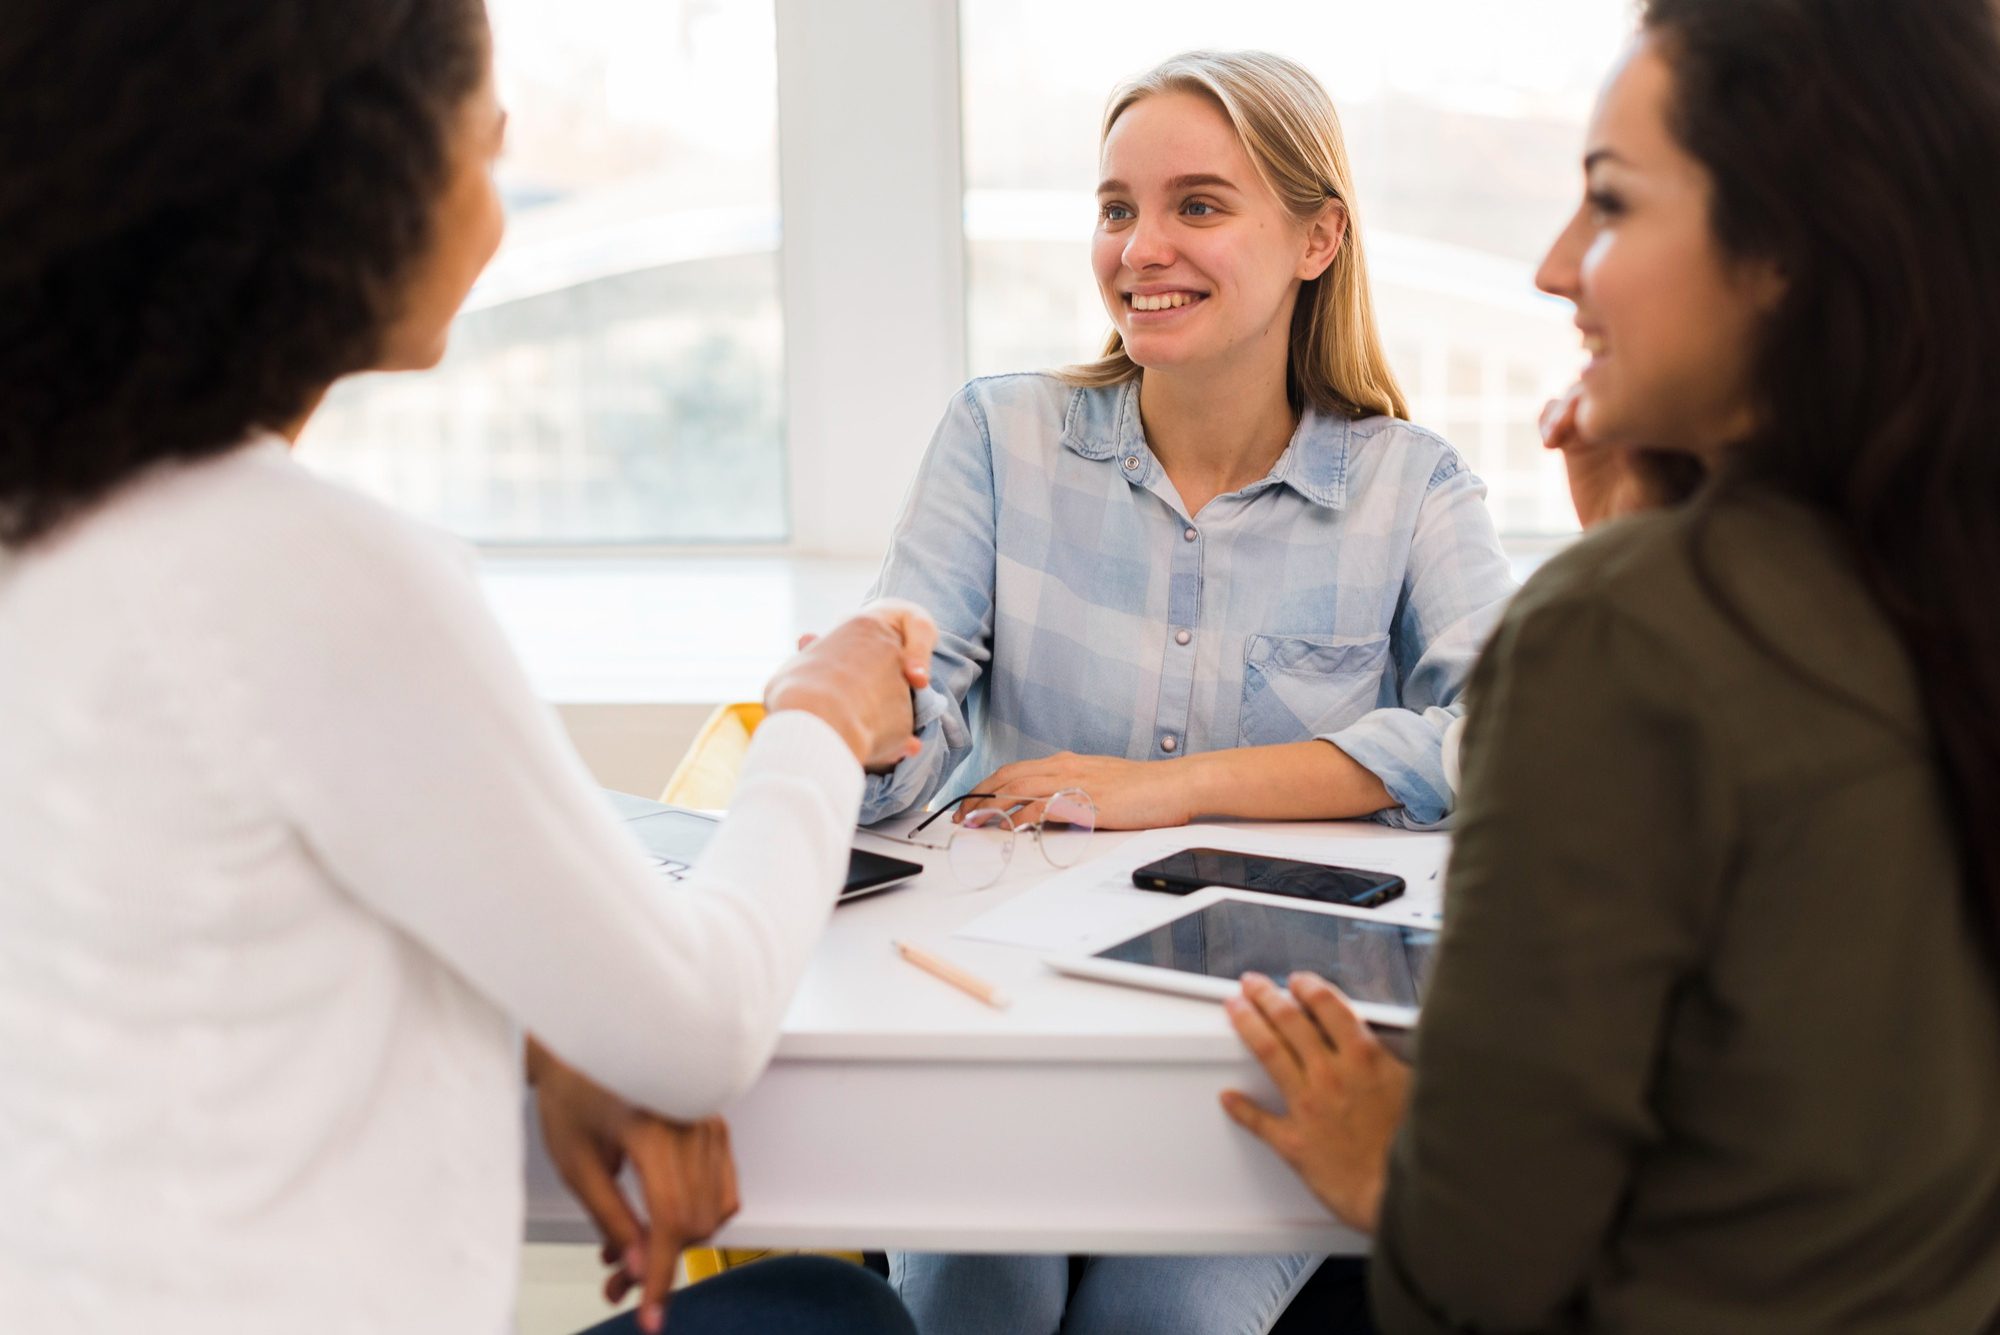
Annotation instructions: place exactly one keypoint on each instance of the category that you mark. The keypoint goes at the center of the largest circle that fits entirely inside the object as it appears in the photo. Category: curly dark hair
(1855, 146)
(207, 208)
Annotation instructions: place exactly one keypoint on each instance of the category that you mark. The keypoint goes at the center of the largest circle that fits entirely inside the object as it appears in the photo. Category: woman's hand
(1344, 1092)
(686, 1173)
(1295, 781)
(1605, 481)
(913, 625)
(1128, 794)
(858, 677)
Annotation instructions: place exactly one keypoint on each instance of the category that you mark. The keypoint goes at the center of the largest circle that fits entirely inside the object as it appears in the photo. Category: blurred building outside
(617, 375)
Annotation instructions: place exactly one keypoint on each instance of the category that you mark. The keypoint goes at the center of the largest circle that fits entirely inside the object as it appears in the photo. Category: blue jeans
(786, 1295)
(1117, 1295)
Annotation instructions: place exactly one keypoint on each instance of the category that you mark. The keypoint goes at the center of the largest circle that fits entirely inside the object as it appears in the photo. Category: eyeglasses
(981, 845)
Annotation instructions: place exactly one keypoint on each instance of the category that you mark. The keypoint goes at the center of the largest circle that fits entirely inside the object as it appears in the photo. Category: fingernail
(649, 1319)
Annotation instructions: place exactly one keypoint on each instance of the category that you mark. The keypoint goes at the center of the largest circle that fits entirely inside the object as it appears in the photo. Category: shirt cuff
(903, 787)
(1404, 749)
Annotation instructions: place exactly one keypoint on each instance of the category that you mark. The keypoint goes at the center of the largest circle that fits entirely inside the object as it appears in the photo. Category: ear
(1765, 283)
(1324, 238)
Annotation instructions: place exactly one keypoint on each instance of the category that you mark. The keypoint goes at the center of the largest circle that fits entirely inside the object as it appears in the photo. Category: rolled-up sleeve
(1456, 590)
(942, 559)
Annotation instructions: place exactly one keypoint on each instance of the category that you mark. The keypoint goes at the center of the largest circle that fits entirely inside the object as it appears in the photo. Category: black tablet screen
(1380, 962)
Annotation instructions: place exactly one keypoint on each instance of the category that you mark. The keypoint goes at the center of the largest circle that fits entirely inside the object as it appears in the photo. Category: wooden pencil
(969, 983)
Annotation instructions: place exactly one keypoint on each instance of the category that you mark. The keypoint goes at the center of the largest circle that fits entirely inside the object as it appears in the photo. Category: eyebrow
(1596, 156)
(1177, 183)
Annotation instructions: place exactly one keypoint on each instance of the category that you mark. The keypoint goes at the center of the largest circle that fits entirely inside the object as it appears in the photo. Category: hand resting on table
(1344, 1093)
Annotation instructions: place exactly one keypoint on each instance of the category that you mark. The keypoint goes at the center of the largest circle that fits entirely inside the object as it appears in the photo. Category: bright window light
(617, 375)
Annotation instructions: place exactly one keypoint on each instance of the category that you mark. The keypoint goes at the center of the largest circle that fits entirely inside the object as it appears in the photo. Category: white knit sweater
(286, 843)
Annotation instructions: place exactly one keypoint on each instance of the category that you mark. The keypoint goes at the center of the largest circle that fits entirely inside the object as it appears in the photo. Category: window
(617, 374)
(1463, 119)
(621, 373)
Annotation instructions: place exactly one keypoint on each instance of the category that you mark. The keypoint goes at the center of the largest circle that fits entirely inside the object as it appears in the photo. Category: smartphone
(1185, 872)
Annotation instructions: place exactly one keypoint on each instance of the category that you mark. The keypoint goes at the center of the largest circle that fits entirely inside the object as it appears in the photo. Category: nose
(1561, 270)
(1147, 247)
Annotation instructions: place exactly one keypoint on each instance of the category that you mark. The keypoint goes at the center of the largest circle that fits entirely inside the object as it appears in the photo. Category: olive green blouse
(1711, 1044)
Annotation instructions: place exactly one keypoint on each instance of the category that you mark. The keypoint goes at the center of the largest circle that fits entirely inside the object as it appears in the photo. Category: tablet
(1382, 967)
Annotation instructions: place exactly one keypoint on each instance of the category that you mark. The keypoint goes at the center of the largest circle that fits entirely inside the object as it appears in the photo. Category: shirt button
(1131, 462)
(1167, 743)
(1190, 535)
(1182, 637)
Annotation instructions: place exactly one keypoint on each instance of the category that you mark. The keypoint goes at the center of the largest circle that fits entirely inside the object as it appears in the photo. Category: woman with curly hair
(287, 846)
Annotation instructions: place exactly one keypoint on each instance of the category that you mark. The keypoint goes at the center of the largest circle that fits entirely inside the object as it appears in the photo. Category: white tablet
(1220, 935)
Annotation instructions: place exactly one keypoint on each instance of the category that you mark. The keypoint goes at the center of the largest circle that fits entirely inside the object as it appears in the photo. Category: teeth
(1164, 302)
(1593, 344)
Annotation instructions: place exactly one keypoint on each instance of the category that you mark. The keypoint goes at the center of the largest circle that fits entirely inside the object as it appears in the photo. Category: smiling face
(1198, 261)
(1670, 322)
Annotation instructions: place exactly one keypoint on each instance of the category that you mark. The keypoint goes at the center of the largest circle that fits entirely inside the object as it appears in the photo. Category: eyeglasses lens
(1068, 821)
(981, 848)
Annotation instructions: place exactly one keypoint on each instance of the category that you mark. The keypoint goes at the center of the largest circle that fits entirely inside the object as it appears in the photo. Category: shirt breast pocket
(1297, 687)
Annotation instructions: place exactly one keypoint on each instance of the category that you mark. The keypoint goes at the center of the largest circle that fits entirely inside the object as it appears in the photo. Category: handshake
(858, 678)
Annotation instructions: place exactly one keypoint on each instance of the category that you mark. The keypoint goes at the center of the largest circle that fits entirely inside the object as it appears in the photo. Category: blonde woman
(1221, 545)
(1214, 572)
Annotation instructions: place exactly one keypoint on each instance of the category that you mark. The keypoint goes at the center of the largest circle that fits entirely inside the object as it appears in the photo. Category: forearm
(713, 961)
(1313, 780)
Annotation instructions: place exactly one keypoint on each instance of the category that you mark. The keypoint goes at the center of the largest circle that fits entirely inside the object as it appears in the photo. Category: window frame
(871, 272)
(872, 263)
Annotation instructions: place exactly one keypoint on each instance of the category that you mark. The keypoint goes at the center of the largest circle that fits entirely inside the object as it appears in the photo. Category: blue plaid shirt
(1343, 596)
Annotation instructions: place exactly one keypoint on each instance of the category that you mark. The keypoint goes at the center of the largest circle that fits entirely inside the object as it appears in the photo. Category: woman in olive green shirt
(1713, 1041)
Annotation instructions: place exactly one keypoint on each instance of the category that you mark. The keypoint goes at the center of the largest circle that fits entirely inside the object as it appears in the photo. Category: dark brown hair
(1855, 145)
(206, 211)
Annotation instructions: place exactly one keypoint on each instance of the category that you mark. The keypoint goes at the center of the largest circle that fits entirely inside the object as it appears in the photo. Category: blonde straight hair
(1288, 126)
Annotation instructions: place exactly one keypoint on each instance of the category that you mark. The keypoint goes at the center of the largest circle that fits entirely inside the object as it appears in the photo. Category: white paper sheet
(1086, 904)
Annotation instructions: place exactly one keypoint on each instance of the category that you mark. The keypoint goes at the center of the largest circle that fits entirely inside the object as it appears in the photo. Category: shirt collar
(1103, 424)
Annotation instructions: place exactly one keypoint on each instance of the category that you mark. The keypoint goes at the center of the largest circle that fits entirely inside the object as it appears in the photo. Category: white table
(901, 1114)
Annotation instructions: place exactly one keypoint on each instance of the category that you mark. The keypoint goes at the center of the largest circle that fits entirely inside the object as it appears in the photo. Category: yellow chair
(702, 1262)
(706, 778)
